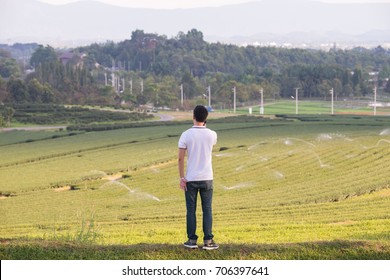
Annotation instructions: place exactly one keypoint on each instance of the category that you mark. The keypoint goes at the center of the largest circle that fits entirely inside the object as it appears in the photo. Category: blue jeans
(205, 188)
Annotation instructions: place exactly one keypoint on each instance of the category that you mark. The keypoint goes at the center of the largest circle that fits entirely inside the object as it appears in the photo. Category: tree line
(151, 69)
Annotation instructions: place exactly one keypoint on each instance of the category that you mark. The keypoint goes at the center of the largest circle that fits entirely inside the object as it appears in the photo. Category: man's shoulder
(212, 131)
(198, 129)
(208, 130)
(186, 131)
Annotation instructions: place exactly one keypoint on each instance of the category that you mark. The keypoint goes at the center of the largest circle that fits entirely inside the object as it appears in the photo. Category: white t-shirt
(199, 142)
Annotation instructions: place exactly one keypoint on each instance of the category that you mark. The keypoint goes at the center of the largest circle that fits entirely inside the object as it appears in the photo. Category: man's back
(199, 142)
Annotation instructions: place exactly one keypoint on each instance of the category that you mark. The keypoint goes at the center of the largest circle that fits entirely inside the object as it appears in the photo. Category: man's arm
(180, 159)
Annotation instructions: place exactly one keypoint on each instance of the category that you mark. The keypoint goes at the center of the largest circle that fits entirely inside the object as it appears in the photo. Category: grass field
(316, 107)
(294, 187)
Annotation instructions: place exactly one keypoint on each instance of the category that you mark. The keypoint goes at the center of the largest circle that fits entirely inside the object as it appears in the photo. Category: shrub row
(43, 114)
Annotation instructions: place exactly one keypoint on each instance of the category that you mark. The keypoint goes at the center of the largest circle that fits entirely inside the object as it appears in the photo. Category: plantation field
(316, 107)
(290, 187)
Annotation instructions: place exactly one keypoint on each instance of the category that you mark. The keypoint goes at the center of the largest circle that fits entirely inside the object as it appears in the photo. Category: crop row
(49, 114)
(272, 184)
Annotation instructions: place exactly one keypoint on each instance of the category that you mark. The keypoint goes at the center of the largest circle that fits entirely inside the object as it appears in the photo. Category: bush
(44, 114)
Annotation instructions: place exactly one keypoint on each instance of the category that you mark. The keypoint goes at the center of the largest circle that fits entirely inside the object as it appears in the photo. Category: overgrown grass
(56, 250)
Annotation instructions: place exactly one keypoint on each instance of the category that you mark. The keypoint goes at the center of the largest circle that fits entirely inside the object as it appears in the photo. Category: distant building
(66, 57)
(69, 56)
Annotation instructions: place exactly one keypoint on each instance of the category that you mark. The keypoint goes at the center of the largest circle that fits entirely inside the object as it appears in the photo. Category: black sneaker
(210, 245)
(191, 244)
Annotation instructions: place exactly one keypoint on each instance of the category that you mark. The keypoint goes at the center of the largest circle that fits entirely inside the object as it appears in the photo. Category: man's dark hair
(200, 113)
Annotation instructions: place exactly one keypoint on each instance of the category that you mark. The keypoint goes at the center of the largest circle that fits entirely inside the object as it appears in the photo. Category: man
(198, 142)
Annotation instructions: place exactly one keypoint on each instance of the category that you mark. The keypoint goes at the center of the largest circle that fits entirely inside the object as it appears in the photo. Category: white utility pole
(142, 86)
(113, 80)
(181, 95)
(296, 101)
(209, 90)
(234, 99)
(374, 101)
(332, 93)
(131, 86)
(261, 101)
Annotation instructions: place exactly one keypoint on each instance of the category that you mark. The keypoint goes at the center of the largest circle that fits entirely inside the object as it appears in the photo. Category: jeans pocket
(209, 184)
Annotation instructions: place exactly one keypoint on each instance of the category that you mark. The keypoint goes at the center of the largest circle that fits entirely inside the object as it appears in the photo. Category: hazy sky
(172, 4)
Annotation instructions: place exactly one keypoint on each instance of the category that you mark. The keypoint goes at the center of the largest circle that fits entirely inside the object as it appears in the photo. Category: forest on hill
(152, 69)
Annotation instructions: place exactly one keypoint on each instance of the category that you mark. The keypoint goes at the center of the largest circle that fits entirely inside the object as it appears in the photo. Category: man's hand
(183, 184)
(180, 158)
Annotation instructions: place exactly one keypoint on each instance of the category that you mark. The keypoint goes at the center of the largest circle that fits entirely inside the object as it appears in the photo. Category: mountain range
(269, 20)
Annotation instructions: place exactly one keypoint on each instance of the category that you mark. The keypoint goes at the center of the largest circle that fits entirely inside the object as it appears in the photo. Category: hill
(93, 21)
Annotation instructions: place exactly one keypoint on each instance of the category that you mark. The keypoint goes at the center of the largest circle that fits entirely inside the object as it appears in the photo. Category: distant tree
(225, 93)
(48, 95)
(43, 55)
(5, 54)
(189, 85)
(357, 77)
(17, 89)
(8, 66)
(387, 87)
(35, 90)
(337, 88)
(8, 114)
(384, 75)
(324, 89)
(187, 59)
(3, 90)
(193, 39)
(40, 93)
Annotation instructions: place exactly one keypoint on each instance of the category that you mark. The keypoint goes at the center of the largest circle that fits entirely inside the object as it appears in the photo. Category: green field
(292, 187)
(315, 107)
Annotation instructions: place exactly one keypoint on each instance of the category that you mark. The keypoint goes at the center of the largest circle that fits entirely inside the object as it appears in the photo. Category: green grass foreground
(285, 187)
(325, 250)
